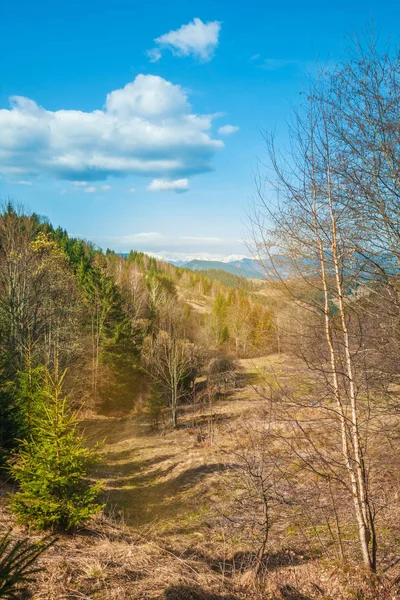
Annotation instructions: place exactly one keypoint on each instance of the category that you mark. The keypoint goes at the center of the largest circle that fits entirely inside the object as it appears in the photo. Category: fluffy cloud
(227, 129)
(166, 185)
(196, 39)
(146, 128)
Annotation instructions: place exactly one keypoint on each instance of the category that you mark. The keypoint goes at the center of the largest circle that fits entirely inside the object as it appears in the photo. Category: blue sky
(137, 125)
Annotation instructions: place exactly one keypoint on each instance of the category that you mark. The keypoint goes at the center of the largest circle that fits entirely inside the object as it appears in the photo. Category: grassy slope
(165, 493)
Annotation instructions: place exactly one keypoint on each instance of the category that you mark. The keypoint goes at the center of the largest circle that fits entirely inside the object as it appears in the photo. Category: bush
(156, 403)
(52, 465)
(221, 364)
(17, 563)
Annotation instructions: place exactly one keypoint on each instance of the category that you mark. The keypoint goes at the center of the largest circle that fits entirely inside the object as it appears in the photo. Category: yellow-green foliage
(52, 465)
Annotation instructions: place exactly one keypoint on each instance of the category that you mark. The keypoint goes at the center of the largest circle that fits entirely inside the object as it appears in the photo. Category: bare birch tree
(311, 225)
(168, 356)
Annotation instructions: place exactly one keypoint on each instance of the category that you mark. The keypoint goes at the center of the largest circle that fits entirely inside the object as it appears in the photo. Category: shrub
(52, 465)
(17, 563)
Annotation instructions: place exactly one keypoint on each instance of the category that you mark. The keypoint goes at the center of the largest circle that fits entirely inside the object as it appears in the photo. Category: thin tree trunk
(334, 370)
(361, 496)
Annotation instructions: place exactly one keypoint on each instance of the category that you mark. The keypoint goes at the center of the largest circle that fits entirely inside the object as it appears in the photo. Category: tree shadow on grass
(147, 491)
(140, 473)
(128, 480)
(189, 592)
(289, 592)
(245, 561)
(125, 461)
(115, 430)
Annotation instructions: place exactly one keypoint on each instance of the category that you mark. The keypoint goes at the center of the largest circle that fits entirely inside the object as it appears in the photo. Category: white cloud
(146, 128)
(204, 239)
(22, 182)
(154, 54)
(173, 246)
(196, 39)
(101, 188)
(167, 185)
(152, 235)
(132, 190)
(184, 257)
(79, 183)
(227, 129)
(148, 97)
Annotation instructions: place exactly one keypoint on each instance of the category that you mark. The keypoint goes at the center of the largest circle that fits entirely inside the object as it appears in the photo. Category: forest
(181, 435)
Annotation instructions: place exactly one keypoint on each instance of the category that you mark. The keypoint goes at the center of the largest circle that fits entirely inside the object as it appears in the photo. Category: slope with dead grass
(167, 498)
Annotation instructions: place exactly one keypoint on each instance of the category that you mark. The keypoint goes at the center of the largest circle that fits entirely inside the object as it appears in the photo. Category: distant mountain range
(180, 259)
(235, 264)
(359, 266)
(243, 267)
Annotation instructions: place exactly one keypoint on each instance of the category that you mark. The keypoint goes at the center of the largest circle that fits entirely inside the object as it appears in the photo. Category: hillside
(174, 427)
(172, 529)
(220, 470)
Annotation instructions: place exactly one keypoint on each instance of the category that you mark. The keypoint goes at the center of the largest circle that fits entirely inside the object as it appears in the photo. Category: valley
(200, 312)
(167, 531)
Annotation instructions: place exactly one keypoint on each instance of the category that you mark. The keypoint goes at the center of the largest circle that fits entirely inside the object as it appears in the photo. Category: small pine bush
(155, 405)
(52, 465)
(17, 564)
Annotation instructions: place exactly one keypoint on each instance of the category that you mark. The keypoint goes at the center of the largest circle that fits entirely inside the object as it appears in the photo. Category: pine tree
(52, 465)
(219, 316)
(18, 564)
(28, 392)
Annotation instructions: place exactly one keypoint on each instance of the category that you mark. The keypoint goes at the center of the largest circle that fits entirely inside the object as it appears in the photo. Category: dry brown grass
(110, 561)
(162, 535)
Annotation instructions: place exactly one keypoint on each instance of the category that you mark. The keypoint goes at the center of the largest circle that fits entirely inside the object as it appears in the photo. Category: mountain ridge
(235, 264)
(244, 267)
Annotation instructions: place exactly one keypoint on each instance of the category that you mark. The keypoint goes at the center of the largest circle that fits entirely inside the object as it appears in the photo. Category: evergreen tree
(219, 316)
(10, 420)
(52, 465)
(28, 395)
(18, 564)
